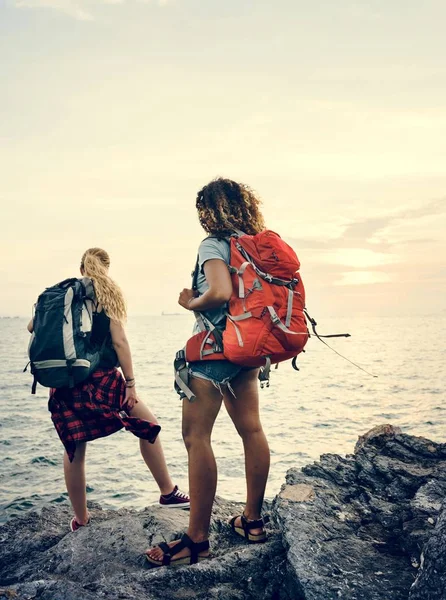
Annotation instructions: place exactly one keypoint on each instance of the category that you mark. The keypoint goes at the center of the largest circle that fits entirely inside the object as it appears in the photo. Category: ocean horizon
(323, 408)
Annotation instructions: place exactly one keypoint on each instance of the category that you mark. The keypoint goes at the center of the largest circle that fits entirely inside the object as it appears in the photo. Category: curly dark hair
(224, 205)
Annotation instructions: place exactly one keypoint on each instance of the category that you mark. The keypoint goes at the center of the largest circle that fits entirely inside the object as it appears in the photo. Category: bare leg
(244, 412)
(198, 420)
(153, 454)
(75, 481)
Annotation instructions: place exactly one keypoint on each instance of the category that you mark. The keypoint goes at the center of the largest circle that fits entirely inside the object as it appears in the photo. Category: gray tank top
(212, 248)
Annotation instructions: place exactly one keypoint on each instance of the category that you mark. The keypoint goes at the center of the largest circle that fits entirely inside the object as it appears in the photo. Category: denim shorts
(220, 372)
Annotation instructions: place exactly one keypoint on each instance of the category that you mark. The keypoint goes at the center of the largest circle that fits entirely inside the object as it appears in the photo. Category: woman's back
(101, 338)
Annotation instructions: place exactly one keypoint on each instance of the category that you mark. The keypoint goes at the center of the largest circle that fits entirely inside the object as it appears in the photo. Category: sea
(322, 408)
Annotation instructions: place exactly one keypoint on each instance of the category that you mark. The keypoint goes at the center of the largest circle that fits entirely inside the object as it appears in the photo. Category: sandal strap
(175, 549)
(232, 522)
(245, 525)
(185, 542)
(167, 551)
(189, 543)
(194, 547)
(202, 546)
(257, 524)
(164, 547)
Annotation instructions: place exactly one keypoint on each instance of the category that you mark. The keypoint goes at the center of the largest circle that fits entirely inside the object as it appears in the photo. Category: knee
(249, 428)
(193, 438)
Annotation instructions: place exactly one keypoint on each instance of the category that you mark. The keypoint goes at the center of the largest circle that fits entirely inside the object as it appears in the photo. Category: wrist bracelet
(131, 384)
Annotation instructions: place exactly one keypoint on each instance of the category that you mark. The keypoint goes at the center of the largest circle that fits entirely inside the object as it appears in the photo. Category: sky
(114, 113)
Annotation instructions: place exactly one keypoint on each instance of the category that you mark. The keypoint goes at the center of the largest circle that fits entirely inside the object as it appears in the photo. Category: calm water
(323, 408)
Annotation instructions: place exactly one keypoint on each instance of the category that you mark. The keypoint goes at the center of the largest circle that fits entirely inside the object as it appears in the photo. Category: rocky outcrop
(355, 528)
(40, 559)
(431, 581)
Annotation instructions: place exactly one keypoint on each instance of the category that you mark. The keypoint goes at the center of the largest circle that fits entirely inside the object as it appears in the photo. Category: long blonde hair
(95, 263)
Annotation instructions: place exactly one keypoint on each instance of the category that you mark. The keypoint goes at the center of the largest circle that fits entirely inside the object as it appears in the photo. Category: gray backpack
(60, 350)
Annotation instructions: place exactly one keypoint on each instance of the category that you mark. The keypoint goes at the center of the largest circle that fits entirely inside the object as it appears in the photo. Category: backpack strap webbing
(319, 337)
(34, 385)
(195, 273)
(182, 377)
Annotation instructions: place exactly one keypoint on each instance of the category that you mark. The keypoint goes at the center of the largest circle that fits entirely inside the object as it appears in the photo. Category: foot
(76, 524)
(253, 530)
(176, 499)
(156, 555)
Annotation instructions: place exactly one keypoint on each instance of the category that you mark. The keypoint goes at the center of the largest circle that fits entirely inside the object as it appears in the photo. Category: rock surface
(40, 559)
(350, 527)
(431, 580)
(354, 527)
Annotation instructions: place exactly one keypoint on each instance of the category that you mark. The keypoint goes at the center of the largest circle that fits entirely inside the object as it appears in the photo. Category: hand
(185, 297)
(131, 398)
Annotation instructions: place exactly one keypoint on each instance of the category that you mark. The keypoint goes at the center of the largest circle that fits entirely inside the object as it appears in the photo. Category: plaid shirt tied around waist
(94, 409)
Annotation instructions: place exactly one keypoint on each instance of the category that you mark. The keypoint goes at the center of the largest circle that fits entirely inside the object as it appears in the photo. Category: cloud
(370, 233)
(82, 10)
(375, 250)
(363, 278)
(74, 9)
(359, 257)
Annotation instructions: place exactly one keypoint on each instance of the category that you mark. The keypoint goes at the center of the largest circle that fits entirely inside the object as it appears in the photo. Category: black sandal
(185, 542)
(245, 529)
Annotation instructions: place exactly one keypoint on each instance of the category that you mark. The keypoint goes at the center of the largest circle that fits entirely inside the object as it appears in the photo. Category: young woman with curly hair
(224, 206)
(107, 401)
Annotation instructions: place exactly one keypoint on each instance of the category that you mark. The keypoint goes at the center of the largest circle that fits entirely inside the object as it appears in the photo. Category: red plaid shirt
(94, 409)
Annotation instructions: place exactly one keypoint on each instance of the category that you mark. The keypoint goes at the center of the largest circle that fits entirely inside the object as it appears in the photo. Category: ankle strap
(196, 546)
(256, 524)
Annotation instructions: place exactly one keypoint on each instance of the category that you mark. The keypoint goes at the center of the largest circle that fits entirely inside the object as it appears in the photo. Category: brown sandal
(245, 529)
(185, 542)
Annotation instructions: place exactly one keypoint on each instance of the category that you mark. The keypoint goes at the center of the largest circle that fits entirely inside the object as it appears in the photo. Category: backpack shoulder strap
(195, 274)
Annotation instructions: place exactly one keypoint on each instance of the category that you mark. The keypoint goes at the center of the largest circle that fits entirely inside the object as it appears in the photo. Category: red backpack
(265, 321)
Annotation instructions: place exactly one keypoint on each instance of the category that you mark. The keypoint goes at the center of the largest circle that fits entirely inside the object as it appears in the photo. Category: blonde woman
(107, 400)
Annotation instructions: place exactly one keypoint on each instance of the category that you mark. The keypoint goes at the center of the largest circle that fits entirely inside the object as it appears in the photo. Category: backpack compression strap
(182, 377)
(314, 325)
(334, 335)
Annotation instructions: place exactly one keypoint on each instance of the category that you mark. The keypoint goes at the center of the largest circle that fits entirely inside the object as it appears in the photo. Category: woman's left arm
(220, 288)
(122, 348)
(30, 326)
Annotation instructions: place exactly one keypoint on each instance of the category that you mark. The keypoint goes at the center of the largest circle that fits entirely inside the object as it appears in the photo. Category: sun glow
(359, 257)
(363, 278)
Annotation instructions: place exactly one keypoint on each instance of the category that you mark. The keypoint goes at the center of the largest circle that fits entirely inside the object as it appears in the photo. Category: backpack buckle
(275, 319)
(180, 355)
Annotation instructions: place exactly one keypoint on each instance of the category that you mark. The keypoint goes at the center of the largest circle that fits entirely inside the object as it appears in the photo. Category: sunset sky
(115, 112)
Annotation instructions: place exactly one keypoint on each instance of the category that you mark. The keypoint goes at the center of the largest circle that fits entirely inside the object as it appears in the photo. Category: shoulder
(100, 316)
(211, 244)
(212, 247)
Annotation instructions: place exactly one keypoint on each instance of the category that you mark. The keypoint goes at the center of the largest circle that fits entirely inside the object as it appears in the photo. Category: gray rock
(354, 527)
(41, 559)
(431, 581)
(351, 527)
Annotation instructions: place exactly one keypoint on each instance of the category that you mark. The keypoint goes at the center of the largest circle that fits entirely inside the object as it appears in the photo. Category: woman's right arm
(122, 348)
